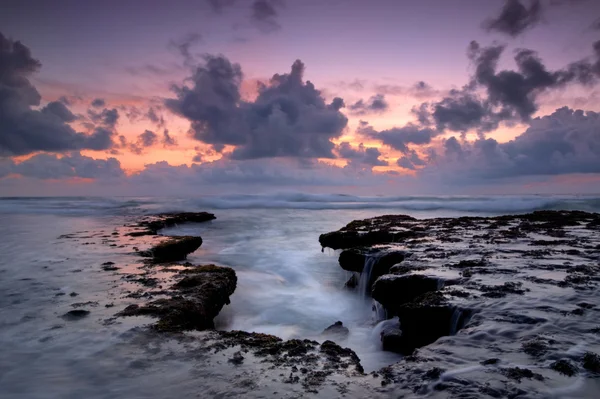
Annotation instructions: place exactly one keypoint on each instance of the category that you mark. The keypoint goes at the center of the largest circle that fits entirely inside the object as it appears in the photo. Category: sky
(390, 97)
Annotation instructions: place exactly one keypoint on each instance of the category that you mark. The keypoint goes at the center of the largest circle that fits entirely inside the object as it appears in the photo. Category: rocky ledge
(150, 225)
(192, 302)
(434, 277)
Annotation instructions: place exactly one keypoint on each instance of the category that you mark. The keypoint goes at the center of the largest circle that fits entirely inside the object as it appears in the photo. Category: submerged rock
(76, 314)
(337, 330)
(565, 367)
(198, 298)
(174, 249)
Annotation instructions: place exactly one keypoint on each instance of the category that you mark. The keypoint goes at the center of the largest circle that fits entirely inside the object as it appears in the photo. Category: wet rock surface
(512, 294)
(194, 300)
(173, 249)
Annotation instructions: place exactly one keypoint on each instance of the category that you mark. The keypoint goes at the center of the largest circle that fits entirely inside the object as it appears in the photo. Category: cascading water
(454, 321)
(365, 275)
(379, 312)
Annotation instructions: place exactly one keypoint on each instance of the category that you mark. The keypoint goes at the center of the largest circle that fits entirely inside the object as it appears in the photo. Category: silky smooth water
(286, 286)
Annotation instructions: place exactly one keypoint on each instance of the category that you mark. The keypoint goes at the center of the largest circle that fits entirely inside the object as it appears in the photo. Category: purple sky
(491, 121)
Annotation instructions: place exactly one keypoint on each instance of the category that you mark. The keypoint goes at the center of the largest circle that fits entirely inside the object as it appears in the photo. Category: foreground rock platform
(438, 276)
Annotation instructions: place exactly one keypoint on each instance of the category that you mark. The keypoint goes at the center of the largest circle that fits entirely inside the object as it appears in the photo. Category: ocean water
(286, 285)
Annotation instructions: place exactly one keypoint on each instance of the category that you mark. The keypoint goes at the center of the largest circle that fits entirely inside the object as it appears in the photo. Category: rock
(591, 362)
(392, 291)
(76, 314)
(200, 296)
(172, 219)
(368, 232)
(565, 367)
(237, 358)
(517, 373)
(391, 338)
(352, 282)
(427, 318)
(337, 329)
(352, 260)
(174, 249)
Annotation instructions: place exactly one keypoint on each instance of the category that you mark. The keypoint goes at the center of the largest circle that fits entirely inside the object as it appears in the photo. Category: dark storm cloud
(24, 130)
(264, 14)
(508, 95)
(98, 103)
(361, 156)
(515, 17)
(564, 142)
(168, 140)
(46, 166)
(59, 109)
(375, 104)
(400, 137)
(289, 117)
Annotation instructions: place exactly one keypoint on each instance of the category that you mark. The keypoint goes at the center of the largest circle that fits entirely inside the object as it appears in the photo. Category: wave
(398, 204)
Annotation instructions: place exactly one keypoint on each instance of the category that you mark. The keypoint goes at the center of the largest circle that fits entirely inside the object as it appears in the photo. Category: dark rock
(517, 373)
(172, 219)
(536, 347)
(204, 290)
(427, 318)
(76, 314)
(237, 358)
(352, 260)
(500, 291)
(360, 233)
(73, 294)
(337, 329)
(489, 362)
(591, 362)
(174, 249)
(391, 338)
(392, 291)
(565, 367)
(352, 282)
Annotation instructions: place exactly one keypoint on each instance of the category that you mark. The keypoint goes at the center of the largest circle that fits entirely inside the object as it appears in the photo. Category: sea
(287, 286)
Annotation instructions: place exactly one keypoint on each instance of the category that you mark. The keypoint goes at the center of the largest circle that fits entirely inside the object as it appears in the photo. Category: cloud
(410, 161)
(168, 140)
(144, 140)
(495, 96)
(565, 142)
(155, 118)
(46, 166)
(361, 156)
(288, 118)
(98, 103)
(183, 45)
(399, 137)
(24, 130)
(515, 18)
(375, 104)
(420, 90)
(264, 14)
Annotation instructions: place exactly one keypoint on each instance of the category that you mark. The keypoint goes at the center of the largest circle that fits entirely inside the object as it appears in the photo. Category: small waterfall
(454, 320)
(365, 275)
(379, 312)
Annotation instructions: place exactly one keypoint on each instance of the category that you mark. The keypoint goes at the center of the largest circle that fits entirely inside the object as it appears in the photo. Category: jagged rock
(200, 296)
(565, 367)
(352, 260)
(337, 329)
(427, 318)
(392, 290)
(174, 249)
(368, 232)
